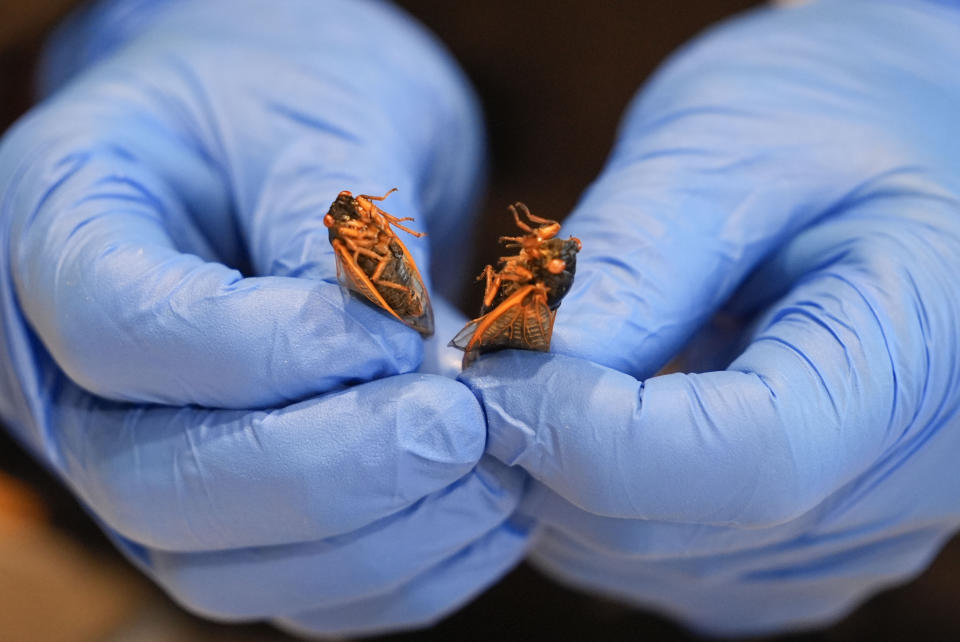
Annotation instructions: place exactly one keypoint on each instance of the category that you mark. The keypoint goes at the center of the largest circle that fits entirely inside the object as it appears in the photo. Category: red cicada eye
(328, 220)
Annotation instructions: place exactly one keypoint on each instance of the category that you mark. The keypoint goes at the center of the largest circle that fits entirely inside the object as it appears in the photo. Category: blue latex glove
(248, 436)
(798, 170)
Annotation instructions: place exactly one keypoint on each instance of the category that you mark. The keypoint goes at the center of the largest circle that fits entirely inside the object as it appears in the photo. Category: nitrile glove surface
(797, 170)
(173, 340)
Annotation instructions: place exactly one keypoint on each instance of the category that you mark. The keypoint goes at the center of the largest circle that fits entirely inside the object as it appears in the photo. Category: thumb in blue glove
(175, 343)
(793, 168)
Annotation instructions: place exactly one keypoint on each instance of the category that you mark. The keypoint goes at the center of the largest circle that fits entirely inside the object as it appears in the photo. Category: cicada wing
(424, 324)
(416, 312)
(536, 324)
(463, 338)
(522, 321)
(353, 278)
(414, 306)
(469, 341)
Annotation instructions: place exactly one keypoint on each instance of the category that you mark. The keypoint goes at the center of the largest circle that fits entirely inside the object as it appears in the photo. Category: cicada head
(342, 210)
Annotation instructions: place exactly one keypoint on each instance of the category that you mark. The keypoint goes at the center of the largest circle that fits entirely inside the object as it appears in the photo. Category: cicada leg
(411, 295)
(493, 284)
(548, 227)
(384, 261)
(358, 249)
(516, 217)
(377, 198)
(535, 219)
(394, 221)
(514, 272)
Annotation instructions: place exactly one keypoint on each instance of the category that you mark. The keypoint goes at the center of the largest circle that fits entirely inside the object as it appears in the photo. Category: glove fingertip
(494, 380)
(442, 425)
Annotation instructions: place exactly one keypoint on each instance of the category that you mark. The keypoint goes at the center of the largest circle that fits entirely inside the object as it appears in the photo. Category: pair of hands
(258, 444)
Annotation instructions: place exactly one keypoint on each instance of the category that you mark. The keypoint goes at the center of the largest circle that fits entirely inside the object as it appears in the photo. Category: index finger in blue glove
(710, 176)
(732, 148)
(307, 114)
(191, 479)
(102, 276)
(162, 148)
(835, 375)
(419, 136)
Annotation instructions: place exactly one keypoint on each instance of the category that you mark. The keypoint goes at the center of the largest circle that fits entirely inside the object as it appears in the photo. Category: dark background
(553, 78)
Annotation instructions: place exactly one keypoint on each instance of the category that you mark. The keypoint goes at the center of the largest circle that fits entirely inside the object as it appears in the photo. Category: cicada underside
(373, 262)
(521, 298)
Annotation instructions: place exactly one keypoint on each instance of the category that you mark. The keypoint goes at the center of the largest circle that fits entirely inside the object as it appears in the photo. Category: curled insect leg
(384, 261)
(547, 230)
(364, 202)
(493, 284)
(516, 217)
(353, 229)
(515, 272)
(536, 219)
(377, 198)
(358, 249)
(394, 221)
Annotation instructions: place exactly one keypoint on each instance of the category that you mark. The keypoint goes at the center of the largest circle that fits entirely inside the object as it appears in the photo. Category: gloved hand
(797, 172)
(174, 341)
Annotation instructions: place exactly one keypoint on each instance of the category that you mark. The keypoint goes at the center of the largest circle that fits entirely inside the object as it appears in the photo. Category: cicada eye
(328, 220)
(556, 266)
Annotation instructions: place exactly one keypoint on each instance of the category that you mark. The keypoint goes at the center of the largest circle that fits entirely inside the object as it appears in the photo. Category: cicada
(521, 298)
(373, 262)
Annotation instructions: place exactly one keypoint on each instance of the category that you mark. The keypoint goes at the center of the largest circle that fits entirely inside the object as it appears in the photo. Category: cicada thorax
(374, 262)
(558, 252)
(552, 265)
(522, 296)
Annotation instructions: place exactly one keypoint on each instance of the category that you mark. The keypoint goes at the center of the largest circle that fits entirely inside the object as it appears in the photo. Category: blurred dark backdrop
(553, 77)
